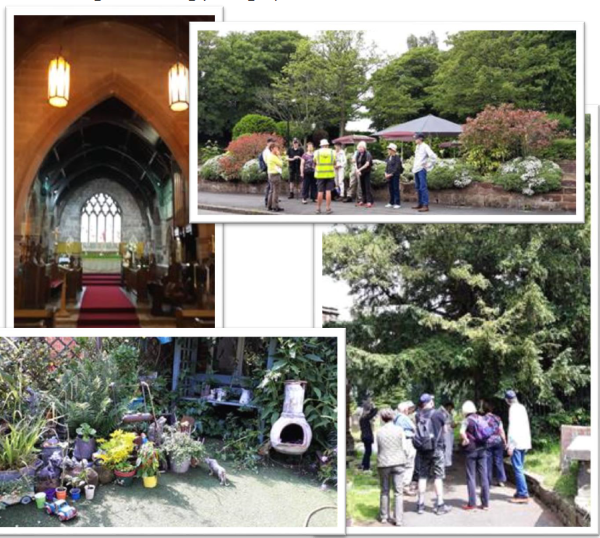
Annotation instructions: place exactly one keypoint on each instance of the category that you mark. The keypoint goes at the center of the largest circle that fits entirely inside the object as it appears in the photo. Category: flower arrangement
(117, 449)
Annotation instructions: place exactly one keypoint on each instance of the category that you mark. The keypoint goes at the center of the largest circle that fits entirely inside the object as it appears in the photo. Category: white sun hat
(324, 142)
(392, 147)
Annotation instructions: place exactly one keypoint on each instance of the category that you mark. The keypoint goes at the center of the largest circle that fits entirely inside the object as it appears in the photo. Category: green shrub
(209, 150)
(407, 175)
(212, 170)
(561, 149)
(378, 173)
(565, 123)
(251, 173)
(451, 174)
(529, 176)
(254, 123)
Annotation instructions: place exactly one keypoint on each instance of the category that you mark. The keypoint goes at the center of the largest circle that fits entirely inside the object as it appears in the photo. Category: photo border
(224, 217)
(339, 529)
(32, 10)
(594, 416)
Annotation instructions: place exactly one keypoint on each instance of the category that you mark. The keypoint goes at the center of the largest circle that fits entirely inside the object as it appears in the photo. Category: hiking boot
(441, 509)
(420, 508)
(417, 206)
(290, 195)
(519, 500)
(424, 209)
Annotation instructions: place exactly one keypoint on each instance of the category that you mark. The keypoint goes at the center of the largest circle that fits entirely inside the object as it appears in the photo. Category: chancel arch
(101, 184)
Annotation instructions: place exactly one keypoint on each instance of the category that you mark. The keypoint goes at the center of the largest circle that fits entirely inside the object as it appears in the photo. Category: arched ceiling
(110, 141)
(30, 30)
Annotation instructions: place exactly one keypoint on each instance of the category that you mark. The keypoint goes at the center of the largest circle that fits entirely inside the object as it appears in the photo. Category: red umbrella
(402, 136)
(353, 139)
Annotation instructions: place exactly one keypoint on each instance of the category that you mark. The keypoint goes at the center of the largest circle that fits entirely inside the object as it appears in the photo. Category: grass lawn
(362, 493)
(545, 462)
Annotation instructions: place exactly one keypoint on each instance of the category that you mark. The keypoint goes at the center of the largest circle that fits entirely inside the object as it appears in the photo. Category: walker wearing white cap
(324, 143)
(393, 147)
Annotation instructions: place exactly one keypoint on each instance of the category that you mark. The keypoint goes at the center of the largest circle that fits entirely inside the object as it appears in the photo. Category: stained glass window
(100, 220)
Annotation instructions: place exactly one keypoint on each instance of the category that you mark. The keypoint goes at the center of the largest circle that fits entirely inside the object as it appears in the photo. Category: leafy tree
(430, 40)
(232, 69)
(470, 310)
(328, 77)
(399, 89)
(532, 70)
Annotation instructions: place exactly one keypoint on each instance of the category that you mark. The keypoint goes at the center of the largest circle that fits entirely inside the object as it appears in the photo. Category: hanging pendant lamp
(59, 82)
(179, 96)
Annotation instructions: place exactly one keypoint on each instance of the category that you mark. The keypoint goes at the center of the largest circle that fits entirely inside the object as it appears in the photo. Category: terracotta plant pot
(150, 481)
(61, 494)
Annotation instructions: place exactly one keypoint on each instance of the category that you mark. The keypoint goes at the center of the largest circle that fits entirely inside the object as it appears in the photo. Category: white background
(279, 273)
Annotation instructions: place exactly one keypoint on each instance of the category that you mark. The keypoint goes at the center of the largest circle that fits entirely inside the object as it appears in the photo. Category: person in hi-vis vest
(325, 175)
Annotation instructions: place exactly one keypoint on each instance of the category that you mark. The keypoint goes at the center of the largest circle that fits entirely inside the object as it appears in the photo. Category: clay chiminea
(291, 434)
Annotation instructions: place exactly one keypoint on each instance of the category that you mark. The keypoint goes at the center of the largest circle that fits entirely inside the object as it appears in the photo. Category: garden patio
(169, 432)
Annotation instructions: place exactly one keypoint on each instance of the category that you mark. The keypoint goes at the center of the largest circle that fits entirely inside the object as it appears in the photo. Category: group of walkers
(416, 443)
(321, 175)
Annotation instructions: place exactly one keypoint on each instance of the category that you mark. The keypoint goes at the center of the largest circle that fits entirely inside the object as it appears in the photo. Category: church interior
(101, 159)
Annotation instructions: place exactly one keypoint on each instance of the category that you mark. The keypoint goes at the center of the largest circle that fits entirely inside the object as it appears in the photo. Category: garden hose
(326, 507)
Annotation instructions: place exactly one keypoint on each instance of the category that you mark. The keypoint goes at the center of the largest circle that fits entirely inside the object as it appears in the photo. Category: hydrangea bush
(451, 173)
(251, 172)
(212, 170)
(529, 176)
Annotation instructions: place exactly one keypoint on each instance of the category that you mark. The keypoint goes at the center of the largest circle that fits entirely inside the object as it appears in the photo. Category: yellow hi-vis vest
(324, 162)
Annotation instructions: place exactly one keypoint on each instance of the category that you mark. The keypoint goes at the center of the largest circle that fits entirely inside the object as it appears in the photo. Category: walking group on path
(416, 443)
(321, 174)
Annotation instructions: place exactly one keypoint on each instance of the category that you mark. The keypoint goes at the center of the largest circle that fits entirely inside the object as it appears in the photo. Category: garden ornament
(291, 433)
(217, 470)
(246, 397)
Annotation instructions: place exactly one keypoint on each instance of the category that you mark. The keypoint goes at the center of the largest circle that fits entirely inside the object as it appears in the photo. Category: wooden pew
(34, 318)
(194, 318)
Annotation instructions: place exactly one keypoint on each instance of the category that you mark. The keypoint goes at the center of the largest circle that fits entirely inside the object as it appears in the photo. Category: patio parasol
(354, 139)
(428, 125)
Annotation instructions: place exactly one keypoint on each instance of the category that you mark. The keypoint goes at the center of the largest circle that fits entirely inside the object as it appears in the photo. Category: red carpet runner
(104, 304)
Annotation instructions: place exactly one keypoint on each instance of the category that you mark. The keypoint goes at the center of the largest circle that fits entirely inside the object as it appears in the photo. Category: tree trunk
(350, 449)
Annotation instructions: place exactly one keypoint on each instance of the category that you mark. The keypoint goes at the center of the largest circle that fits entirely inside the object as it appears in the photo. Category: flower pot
(105, 475)
(50, 494)
(75, 494)
(89, 491)
(124, 478)
(181, 467)
(16, 474)
(40, 499)
(61, 494)
(150, 481)
(84, 449)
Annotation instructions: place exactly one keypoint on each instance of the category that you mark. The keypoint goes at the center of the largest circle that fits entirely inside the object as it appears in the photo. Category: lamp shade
(59, 82)
(179, 95)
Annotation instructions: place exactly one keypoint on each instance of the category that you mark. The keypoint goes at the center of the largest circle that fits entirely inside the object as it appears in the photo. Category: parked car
(62, 509)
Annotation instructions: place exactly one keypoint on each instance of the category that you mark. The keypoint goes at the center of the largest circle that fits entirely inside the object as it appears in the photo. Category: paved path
(211, 202)
(501, 512)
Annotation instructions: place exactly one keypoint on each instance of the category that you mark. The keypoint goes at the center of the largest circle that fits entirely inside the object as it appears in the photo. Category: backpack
(262, 165)
(481, 429)
(424, 439)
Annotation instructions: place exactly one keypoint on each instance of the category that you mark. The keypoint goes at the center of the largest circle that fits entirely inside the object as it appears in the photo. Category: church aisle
(106, 306)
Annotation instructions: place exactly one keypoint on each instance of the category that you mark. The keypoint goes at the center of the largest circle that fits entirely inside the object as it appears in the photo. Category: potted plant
(116, 450)
(148, 464)
(181, 448)
(124, 471)
(85, 442)
(18, 452)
